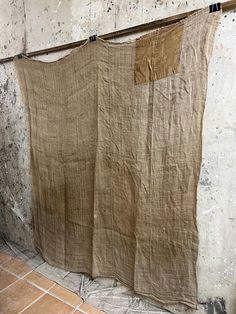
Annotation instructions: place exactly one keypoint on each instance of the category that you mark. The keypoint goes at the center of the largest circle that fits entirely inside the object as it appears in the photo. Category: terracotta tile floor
(23, 290)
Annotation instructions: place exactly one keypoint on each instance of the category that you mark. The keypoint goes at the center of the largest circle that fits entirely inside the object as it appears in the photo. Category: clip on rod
(214, 7)
(92, 38)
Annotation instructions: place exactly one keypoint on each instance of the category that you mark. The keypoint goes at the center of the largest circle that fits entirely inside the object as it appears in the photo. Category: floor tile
(17, 267)
(90, 309)
(5, 258)
(48, 304)
(66, 295)
(6, 279)
(19, 295)
(39, 280)
(23, 295)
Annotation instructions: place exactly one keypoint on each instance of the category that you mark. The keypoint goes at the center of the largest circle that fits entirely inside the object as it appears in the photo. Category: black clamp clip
(20, 56)
(215, 7)
(92, 38)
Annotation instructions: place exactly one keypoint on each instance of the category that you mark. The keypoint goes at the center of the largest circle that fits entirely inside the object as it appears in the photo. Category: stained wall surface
(32, 25)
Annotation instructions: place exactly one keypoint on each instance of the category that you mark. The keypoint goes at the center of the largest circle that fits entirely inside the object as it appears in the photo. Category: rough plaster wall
(15, 197)
(12, 26)
(62, 21)
(217, 188)
(50, 23)
(15, 209)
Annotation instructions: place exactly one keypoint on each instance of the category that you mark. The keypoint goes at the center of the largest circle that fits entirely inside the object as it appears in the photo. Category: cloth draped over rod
(116, 153)
(225, 6)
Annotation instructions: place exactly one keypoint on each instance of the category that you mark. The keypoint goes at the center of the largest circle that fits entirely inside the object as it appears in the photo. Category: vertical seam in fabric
(111, 186)
(150, 128)
(137, 207)
(96, 146)
(65, 192)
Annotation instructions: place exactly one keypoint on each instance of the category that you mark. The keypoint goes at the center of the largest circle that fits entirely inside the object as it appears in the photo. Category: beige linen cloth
(115, 156)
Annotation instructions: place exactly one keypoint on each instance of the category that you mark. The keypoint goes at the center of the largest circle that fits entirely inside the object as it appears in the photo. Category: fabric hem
(158, 298)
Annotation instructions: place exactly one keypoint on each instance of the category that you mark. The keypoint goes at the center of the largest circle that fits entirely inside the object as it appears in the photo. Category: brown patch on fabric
(158, 54)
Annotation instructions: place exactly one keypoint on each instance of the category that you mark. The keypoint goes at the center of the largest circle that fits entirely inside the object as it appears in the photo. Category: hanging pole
(226, 6)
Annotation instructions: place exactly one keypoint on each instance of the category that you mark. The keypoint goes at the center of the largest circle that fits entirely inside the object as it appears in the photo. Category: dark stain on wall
(15, 195)
(219, 304)
(5, 85)
(215, 306)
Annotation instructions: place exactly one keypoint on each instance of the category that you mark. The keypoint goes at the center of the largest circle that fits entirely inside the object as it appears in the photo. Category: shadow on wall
(15, 192)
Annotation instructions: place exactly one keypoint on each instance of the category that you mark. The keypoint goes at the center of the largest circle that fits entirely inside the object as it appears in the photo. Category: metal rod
(226, 6)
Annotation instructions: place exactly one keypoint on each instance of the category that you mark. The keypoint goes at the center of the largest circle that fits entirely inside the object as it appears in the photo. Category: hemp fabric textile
(115, 156)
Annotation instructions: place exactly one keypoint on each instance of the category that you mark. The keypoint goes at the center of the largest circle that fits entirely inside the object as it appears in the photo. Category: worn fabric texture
(116, 154)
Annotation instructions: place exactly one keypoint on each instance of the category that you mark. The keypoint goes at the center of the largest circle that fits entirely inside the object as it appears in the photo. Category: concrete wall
(15, 201)
(34, 25)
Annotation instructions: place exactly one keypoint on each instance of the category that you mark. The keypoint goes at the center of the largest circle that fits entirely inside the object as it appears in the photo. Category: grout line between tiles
(42, 295)
(36, 286)
(79, 309)
(10, 285)
(82, 311)
(10, 272)
(67, 303)
(48, 291)
(18, 277)
(73, 311)
(32, 303)
(40, 288)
